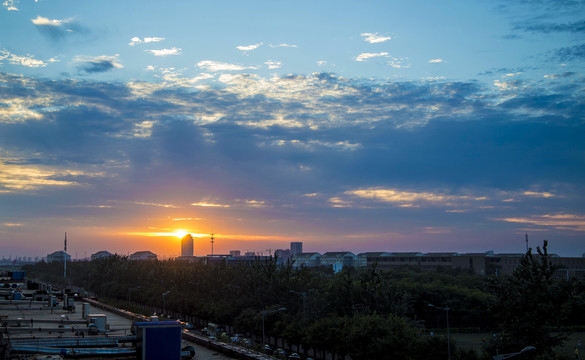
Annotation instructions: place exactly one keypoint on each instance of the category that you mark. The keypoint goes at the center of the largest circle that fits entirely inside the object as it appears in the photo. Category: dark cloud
(573, 53)
(575, 27)
(96, 66)
(450, 136)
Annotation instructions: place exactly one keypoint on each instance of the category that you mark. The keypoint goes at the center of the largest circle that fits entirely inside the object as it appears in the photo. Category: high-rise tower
(187, 245)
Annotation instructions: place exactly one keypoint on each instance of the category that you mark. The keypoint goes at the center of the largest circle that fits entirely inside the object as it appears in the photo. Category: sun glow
(181, 233)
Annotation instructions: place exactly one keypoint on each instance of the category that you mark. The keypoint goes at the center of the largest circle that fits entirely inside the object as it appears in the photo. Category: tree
(530, 305)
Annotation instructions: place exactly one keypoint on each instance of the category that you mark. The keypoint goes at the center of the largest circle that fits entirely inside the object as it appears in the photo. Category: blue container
(158, 340)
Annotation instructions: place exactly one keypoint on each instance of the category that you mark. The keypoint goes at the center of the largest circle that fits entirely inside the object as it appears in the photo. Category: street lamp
(304, 295)
(164, 304)
(264, 312)
(507, 356)
(446, 309)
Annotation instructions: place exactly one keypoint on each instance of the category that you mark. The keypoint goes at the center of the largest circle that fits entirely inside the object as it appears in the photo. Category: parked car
(280, 353)
(237, 338)
(294, 356)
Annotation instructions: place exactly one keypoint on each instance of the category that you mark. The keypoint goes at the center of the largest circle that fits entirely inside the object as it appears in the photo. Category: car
(237, 338)
(280, 353)
(294, 356)
(213, 338)
(268, 350)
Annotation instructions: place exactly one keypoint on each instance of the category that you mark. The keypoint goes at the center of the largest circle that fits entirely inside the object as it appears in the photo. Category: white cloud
(365, 56)
(248, 47)
(45, 21)
(10, 5)
(136, 40)
(398, 63)
(374, 38)
(435, 61)
(273, 64)
(165, 52)
(282, 45)
(321, 62)
(25, 60)
(211, 65)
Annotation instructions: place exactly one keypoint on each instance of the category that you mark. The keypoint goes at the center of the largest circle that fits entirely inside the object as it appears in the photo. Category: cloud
(211, 65)
(577, 27)
(23, 60)
(321, 62)
(58, 29)
(97, 64)
(374, 38)
(249, 47)
(410, 198)
(10, 5)
(435, 61)
(165, 52)
(572, 53)
(273, 64)
(282, 45)
(366, 56)
(136, 40)
(562, 221)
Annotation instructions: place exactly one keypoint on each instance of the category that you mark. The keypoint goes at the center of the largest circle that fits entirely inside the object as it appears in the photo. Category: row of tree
(365, 313)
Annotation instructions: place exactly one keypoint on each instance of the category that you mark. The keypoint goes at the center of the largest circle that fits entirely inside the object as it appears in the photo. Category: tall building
(187, 245)
(296, 248)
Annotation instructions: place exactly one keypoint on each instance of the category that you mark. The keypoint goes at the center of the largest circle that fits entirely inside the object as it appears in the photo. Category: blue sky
(361, 126)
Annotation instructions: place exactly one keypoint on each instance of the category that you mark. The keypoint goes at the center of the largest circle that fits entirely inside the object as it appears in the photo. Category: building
(306, 259)
(362, 258)
(187, 245)
(58, 256)
(296, 248)
(101, 254)
(282, 256)
(339, 259)
(143, 255)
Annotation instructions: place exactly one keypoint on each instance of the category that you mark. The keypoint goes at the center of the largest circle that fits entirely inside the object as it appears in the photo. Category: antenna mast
(212, 243)
(526, 242)
(65, 258)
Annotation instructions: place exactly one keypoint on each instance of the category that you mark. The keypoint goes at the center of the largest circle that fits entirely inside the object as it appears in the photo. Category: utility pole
(212, 243)
(65, 258)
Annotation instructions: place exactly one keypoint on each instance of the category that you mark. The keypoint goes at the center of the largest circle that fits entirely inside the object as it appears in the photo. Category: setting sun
(180, 233)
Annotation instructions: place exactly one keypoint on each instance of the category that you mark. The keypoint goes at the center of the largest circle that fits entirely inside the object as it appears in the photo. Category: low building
(308, 259)
(58, 256)
(362, 258)
(101, 254)
(339, 259)
(143, 255)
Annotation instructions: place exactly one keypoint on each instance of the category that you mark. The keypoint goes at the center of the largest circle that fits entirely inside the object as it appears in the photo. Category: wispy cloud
(97, 64)
(366, 56)
(136, 40)
(24, 60)
(249, 47)
(575, 222)
(402, 197)
(58, 29)
(207, 204)
(211, 65)
(165, 52)
(374, 38)
(435, 61)
(10, 5)
(282, 45)
(273, 64)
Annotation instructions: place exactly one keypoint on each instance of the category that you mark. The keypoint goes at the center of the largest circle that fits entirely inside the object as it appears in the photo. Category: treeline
(365, 313)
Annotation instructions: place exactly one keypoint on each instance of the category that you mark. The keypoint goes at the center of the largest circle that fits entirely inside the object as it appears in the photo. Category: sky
(429, 126)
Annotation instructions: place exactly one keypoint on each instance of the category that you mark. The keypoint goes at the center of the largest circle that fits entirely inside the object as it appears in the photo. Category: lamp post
(446, 309)
(164, 304)
(264, 312)
(304, 295)
(507, 356)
